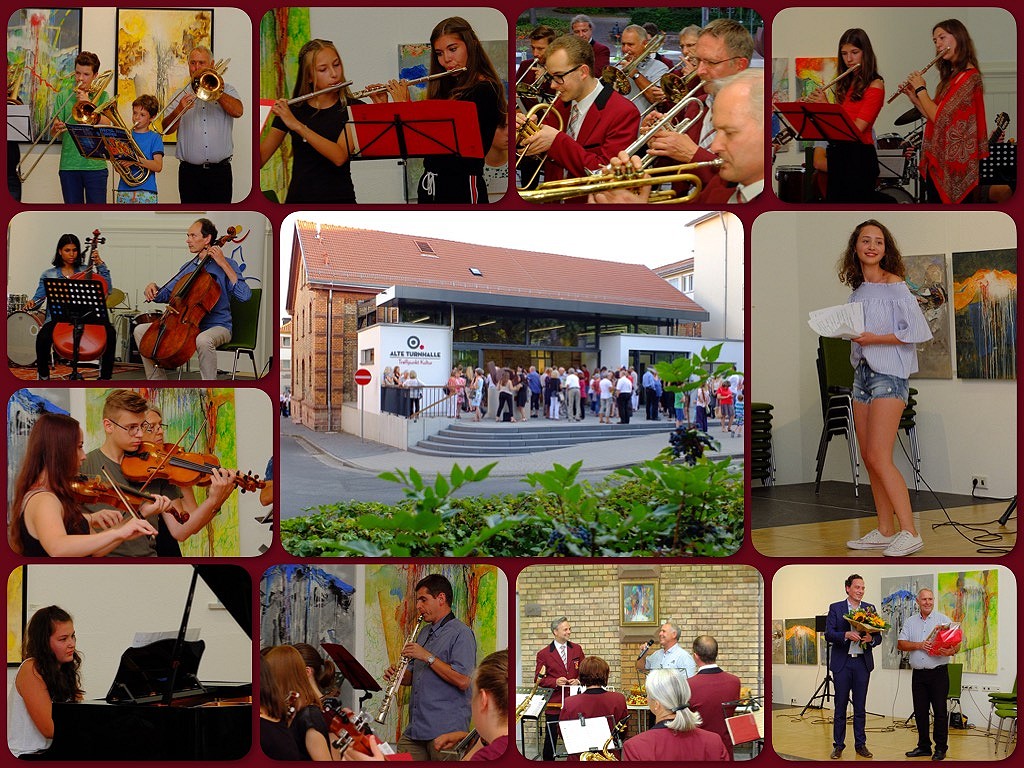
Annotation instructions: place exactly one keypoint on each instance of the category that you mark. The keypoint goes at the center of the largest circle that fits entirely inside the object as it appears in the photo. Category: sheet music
(536, 705)
(142, 639)
(843, 321)
(581, 738)
(572, 690)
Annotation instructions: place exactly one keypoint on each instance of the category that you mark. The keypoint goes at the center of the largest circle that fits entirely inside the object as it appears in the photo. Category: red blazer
(611, 125)
(595, 702)
(709, 688)
(660, 743)
(549, 658)
(529, 79)
(602, 57)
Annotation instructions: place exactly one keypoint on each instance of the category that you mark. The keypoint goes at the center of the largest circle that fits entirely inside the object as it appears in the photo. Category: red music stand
(353, 672)
(814, 121)
(407, 129)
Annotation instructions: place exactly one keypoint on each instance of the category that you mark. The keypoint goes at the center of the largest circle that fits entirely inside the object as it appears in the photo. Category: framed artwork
(985, 313)
(42, 44)
(801, 642)
(899, 603)
(972, 598)
(16, 618)
(638, 604)
(153, 45)
(928, 279)
(780, 88)
(778, 641)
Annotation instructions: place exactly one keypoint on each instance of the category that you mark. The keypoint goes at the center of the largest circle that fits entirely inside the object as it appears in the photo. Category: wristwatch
(430, 660)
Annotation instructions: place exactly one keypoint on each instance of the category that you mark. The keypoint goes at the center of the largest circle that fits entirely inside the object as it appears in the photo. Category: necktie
(574, 119)
(565, 662)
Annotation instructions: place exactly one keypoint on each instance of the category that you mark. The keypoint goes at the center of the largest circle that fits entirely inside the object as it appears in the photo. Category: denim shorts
(868, 385)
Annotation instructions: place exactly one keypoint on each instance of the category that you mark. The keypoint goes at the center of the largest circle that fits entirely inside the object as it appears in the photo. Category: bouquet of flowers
(867, 621)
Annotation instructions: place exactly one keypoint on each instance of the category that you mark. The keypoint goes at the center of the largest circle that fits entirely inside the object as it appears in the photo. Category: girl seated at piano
(49, 673)
(47, 519)
(287, 674)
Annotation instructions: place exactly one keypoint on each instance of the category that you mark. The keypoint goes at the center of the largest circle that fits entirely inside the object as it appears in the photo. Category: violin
(179, 467)
(171, 341)
(94, 337)
(351, 730)
(93, 490)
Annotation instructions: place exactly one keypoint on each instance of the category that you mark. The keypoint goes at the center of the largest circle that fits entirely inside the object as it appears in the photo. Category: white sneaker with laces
(873, 540)
(904, 543)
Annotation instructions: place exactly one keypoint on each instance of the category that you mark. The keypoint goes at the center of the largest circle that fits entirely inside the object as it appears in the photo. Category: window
(687, 281)
(286, 341)
(366, 356)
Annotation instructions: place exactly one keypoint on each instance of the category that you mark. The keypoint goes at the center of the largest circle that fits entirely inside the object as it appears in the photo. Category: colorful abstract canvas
(985, 305)
(42, 43)
(972, 598)
(898, 603)
(813, 72)
(307, 604)
(780, 88)
(778, 641)
(801, 642)
(928, 279)
(639, 604)
(153, 45)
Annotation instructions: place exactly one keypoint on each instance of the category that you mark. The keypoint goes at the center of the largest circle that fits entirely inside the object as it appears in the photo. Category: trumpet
(666, 119)
(620, 79)
(529, 128)
(98, 86)
(906, 83)
(87, 112)
(396, 681)
(624, 178)
(207, 85)
(427, 78)
(525, 704)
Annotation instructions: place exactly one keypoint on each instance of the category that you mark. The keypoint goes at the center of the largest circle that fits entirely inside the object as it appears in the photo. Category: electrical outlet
(968, 687)
(979, 482)
(792, 701)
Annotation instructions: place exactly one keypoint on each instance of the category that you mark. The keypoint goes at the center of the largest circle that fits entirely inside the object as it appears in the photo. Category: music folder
(585, 734)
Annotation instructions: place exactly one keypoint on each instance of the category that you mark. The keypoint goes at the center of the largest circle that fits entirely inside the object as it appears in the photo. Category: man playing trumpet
(599, 122)
(442, 658)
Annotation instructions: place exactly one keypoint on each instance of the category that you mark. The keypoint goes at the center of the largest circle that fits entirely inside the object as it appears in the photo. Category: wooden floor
(828, 538)
(810, 738)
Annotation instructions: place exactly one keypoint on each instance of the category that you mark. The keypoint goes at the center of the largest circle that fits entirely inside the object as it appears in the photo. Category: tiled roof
(345, 256)
(285, 329)
(675, 267)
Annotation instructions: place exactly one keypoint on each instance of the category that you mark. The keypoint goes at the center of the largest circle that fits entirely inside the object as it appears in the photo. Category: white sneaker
(903, 543)
(873, 540)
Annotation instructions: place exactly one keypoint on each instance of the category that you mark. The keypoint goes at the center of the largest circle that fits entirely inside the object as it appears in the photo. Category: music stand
(811, 121)
(352, 671)
(104, 142)
(533, 712)
(80, 303)
(430, 128)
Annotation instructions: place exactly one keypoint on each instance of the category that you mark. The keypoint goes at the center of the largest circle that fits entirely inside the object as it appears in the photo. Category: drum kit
(23, 326)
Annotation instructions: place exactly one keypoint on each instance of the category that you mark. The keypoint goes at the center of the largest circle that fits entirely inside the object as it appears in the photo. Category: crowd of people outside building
(567, 394)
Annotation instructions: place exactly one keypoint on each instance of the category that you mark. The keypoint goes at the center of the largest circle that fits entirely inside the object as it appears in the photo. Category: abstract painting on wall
(985, 305)
(42, 44)
(780, 88)
(972, 598)
(928, 279)
(153, 45)
(801, 642)
(15, 614)
(307, 604)
(778, 641)
(899, 602)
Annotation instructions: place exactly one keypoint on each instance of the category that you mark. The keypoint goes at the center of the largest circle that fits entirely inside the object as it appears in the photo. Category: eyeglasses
(134, 429)
(560, 77)
(147, 427)
(709, 63)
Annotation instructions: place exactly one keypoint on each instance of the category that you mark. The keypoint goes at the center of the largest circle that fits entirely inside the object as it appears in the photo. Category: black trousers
(852, 172)
(651, 403)
(929, 688)
(625, 407)
(209, 183)
(504, 404)
(44, 340)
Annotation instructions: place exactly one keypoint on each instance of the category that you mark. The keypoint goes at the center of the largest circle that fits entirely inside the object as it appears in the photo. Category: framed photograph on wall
(638, 603)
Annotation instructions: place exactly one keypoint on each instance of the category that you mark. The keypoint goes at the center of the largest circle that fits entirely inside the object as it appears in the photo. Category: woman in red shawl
(954, 136)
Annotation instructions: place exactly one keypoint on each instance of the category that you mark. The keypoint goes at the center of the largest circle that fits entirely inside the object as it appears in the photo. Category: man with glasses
(125, 426)
(583, 28)
(598, 122)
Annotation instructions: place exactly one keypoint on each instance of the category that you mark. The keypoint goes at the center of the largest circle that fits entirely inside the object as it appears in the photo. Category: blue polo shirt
(221, 312)
(437, 706)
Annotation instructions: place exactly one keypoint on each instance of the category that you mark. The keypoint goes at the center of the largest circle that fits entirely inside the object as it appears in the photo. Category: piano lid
(233, 587)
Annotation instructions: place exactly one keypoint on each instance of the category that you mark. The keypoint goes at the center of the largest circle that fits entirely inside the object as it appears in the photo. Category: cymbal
(115, 297)
(912, 115)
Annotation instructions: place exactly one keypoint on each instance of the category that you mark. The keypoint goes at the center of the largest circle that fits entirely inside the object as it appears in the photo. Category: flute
(380, 89)
(906, 83)
(328, 89)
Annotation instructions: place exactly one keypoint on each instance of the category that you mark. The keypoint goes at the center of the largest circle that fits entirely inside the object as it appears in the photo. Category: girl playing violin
(47, 520)
(68, 260)
(286, 673)
(451, 179)
(321, 172)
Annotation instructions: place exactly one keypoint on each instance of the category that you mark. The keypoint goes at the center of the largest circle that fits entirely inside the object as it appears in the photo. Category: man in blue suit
(851, 666)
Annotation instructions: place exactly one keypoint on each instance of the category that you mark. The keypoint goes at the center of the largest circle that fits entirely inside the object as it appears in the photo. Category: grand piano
(157, 708)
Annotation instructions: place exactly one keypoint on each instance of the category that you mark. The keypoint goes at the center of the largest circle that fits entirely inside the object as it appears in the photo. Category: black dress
(308, 718)
(315, 179)
(451, 179)
(276, 741)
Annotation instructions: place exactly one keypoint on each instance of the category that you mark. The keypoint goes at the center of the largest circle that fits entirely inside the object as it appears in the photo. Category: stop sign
(363, 377)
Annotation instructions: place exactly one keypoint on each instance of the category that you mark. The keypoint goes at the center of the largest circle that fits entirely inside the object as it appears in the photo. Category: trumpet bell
(208, 85)
(617, 79)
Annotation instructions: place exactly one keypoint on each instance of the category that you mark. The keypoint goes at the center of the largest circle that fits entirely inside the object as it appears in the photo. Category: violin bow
(124, 499)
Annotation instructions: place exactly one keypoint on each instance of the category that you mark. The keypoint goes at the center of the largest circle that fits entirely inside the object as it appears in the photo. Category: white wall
(232, 39)
(615, 349)
(718, 276)
(799, 591)
(902, 41)
(965, 426)
(368, 40)
(141, 248)
(110, 603)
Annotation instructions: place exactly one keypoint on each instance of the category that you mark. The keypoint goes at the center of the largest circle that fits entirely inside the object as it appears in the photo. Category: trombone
(207, 85)
(621, 78)
(86, 112)
(666, 119)
(529, 128)
(98, 86)
(624, 178)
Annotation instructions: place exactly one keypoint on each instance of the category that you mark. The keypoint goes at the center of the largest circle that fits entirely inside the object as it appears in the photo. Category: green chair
(1006, 711)
(245, 322)
(835, 382)
(956, 677)
(1000, 698)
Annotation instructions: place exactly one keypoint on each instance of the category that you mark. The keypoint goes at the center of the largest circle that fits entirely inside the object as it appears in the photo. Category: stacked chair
(835, 381)
(762, 457)
(1003, 705)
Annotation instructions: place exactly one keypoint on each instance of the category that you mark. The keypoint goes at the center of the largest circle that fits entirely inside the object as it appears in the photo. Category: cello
(94, 335)
(171, 341)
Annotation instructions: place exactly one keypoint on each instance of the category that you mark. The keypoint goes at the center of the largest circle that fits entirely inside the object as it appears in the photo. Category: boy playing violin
(124, 413)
